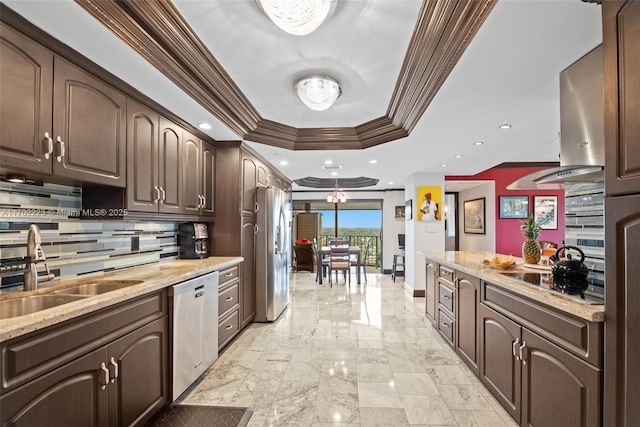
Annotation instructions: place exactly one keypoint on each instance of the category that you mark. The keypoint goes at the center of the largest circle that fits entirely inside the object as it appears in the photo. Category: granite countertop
(471, 263)
(152, 277)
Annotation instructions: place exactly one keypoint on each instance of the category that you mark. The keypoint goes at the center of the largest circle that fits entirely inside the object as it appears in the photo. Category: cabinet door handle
(513, 348)
(163, 196)
(446, 324)
(106, 375)
(522, 354)
(228, 327)
(60, 151)
(229, 299)
(255, 229)
(115, 370)
(49, 145)
(257, 207)
(201, 198)
(445, 296)
(204, 201)
(156, 193)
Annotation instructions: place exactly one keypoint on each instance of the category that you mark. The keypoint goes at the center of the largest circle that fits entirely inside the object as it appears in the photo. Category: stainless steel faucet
(35, 255)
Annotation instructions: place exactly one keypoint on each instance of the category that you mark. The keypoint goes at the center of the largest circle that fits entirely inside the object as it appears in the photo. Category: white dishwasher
(195, 329)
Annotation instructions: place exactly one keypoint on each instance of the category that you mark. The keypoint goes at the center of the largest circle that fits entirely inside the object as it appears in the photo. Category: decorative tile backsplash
(73, 246)
(584, 224)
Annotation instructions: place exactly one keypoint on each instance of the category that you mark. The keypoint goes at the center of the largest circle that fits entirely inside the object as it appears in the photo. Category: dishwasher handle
(199, 291)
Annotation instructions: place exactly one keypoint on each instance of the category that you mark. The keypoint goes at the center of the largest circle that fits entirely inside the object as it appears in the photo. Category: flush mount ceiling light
(318, 92)
(298, 17)
(505, 126)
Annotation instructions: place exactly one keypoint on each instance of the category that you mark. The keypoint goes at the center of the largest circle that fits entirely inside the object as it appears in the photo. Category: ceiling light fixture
(205, 126)
(444, 165)
(505, 126)
(373, 162)
(478, 143)
(458, 156)
(337, 196)
(318, 92)
(298, 17)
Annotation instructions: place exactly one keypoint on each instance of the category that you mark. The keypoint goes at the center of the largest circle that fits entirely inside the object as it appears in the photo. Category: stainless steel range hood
(581, 128)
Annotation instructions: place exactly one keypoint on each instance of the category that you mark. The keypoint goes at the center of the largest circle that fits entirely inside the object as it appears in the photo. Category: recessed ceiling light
(283, 163)
(373, 162)
(505, 126)
(458, 156)
(478, 143)
(390, 182)
(444, 165)
(328, 162)
(334, 173)
(205, 126)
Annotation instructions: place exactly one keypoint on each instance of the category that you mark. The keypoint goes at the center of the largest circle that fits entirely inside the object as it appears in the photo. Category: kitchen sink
(97, 288)
(21, 306)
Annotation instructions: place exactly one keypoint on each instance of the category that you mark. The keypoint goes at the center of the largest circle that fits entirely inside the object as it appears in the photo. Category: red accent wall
(509, 238)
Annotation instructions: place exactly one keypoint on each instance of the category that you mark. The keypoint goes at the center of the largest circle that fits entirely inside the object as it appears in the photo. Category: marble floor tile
(427, 410)
(383, 417)
(374, 372)
(289, 416)
(378, 395)
(337, 408)
(415, 384)
(352, 356)
(464, 397)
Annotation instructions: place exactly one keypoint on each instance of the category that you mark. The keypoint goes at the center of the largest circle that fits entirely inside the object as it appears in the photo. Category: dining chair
(323, 266)
(363, 259)
(339, 259)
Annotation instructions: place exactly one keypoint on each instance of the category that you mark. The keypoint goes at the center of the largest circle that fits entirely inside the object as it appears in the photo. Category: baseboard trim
(416, 293)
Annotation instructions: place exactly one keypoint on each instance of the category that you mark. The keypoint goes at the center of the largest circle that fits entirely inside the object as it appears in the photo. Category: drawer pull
(106, 375)
(228, 275)
(228, 327)
(115, 368)
(49, 145)
(446, 324)
(524, 344)
(229, 299)
(445, 296)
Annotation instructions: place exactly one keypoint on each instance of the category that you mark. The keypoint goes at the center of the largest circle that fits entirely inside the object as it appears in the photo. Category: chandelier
(318, 92)
(298, 17)
(337, 196)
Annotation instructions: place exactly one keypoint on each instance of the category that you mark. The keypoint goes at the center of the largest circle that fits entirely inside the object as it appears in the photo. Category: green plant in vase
(531, 247)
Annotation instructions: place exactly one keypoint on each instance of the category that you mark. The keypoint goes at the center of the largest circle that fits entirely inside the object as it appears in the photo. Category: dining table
(325, 251)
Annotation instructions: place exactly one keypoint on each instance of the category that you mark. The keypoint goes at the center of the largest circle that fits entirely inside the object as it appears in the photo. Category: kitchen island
(526, 342)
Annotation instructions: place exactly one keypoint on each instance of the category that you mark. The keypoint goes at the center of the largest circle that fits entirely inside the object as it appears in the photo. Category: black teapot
(567, 269)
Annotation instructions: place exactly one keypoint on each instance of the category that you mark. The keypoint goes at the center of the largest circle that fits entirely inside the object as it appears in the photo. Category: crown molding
(160, 34)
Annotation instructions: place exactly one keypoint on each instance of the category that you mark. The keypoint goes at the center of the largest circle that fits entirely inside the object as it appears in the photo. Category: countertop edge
(589, 312)
(154, 277)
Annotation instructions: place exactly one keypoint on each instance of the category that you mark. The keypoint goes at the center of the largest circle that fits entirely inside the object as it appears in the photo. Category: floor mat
(204, 416)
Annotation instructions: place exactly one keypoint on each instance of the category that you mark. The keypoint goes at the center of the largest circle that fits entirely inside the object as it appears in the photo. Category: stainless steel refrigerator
(273, 253)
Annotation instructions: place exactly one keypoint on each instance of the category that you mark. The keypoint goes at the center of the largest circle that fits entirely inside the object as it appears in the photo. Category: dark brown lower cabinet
(499, 370)
(122, 383)
(468, 299)
(430, 291)
(539, 383)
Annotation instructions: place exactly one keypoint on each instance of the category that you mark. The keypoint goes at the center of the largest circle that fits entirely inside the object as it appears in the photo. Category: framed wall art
(514, 207)
(400, 212)
(545, 210)
(474, 216)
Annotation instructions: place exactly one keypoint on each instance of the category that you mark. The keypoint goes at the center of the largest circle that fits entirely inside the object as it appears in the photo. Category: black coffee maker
(193, 240)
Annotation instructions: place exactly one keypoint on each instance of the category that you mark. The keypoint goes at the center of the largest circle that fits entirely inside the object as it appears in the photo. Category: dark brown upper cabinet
(58, 120)
(154, 161)
(198, 176)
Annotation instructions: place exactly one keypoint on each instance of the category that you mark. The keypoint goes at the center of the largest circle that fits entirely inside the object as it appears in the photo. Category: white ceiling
(508, 74)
